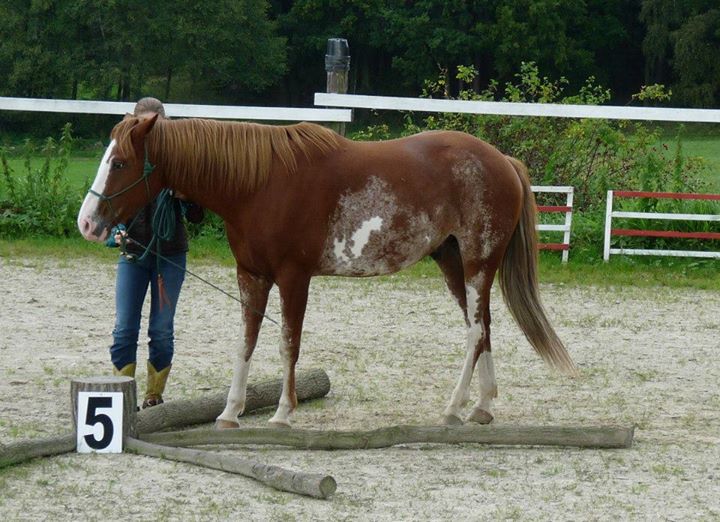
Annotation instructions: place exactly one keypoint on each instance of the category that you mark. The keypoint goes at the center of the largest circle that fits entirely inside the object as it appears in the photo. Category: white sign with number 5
(99, 422)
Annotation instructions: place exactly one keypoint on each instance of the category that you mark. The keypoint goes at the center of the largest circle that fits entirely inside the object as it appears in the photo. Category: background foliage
(591, 155)
(39, 200)
(271, 51)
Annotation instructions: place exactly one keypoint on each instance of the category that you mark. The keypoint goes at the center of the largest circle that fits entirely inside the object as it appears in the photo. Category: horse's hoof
(222, 424)
(285, 425)
(480, 416)
(451, 420)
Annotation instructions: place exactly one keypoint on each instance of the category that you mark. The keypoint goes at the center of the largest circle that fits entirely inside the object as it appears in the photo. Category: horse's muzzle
(92, 230)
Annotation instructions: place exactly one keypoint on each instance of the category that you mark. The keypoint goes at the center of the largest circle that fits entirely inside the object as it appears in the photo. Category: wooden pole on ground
(311, 384)
(313, 484)
(582, 437)
(23, 450)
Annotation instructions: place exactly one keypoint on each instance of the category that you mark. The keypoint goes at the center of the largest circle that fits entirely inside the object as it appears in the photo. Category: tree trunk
(311, 384)
(582, 437)
(168, 79)
(119, 384)
(313, 484)
(21, 451)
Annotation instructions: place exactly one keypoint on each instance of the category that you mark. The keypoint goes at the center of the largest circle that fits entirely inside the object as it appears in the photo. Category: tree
(681, 46)
(227, 49)
(697, 68)
(660, 17)
(34, 57)
(564, 37)
(308, 24)
(220, 50)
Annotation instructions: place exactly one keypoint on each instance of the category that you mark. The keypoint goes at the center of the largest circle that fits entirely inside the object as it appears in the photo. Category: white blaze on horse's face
(87, 217)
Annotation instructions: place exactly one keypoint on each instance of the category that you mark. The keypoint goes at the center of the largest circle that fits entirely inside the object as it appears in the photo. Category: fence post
(608, 225)
(337, 66)
(569, 201)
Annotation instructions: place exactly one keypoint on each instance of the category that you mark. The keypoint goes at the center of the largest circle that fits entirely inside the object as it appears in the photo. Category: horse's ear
(144, 126)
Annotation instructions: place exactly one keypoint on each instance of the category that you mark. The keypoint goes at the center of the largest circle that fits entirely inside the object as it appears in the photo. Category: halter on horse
(301, 201)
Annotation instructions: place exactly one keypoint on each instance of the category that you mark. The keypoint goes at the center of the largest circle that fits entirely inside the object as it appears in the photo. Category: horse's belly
(367, 252)
(372, 233)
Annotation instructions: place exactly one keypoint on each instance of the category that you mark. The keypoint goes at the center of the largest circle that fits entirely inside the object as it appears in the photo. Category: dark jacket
(141, 229)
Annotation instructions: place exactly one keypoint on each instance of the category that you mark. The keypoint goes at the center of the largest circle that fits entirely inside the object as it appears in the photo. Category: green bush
(39, 201)
(212, 227)
(592, 155)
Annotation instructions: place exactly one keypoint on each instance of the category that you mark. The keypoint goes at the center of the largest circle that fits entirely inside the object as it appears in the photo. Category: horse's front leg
(293, 297)
(254, 292)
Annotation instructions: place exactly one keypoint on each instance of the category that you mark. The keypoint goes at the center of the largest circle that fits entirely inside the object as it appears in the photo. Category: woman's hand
(119, 235)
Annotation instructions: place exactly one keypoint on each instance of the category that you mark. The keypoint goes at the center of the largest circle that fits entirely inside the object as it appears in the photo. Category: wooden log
(313, 484)
(310, 384)
(113, 383)
(21, 451)
(581, 437)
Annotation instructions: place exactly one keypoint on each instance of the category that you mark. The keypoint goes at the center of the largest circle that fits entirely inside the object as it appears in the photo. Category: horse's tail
(519, 283)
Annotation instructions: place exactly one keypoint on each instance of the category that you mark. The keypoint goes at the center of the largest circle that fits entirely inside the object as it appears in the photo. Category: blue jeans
(131, 287)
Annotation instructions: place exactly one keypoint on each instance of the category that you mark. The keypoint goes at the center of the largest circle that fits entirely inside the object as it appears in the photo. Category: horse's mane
(228, 156)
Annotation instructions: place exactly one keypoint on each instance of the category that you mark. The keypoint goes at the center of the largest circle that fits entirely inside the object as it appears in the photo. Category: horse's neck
(197, 192)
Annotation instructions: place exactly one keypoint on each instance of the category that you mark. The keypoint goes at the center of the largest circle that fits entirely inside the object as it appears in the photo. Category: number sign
(99, 419)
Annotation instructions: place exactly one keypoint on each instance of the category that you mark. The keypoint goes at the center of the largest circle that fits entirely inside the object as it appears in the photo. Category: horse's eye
(117, 165)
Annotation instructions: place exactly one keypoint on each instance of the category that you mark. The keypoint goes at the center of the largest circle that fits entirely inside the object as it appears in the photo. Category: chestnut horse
(300, 201)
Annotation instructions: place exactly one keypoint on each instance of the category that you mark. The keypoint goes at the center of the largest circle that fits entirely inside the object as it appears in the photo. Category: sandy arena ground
(393, 349)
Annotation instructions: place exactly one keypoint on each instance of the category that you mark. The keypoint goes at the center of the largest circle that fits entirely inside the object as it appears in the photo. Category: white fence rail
(516, 109)
(179, 110)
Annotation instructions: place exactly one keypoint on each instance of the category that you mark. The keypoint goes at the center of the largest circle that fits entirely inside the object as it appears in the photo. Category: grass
(81, 170)
(643, 272)
(698, 141)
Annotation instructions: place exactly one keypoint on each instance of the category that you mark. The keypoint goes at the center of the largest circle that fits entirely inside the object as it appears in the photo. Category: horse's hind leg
(477, 296)
(479, 315)
(448, 258)
(254, 291)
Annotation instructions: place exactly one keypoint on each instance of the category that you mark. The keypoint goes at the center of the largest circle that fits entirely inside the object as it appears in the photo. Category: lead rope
(163, 228)
(162, 224)
(254, 310)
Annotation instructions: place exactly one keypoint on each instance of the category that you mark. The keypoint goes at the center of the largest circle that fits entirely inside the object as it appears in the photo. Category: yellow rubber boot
(128, 370)
(156, 381)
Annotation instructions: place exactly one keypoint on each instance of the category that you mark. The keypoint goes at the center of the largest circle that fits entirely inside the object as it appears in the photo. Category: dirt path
(393, 350)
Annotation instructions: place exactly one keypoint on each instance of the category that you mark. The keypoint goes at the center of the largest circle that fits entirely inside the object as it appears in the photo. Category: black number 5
(93, 418)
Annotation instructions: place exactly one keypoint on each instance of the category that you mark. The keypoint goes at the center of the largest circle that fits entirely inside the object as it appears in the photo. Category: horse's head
(122, 185)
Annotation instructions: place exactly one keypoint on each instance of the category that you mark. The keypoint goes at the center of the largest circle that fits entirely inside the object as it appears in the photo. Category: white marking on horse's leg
(486, 379)
(235, 404)
(460, 393)
(361, 236)
(90, 203)
(285, 406)
(475, 335)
